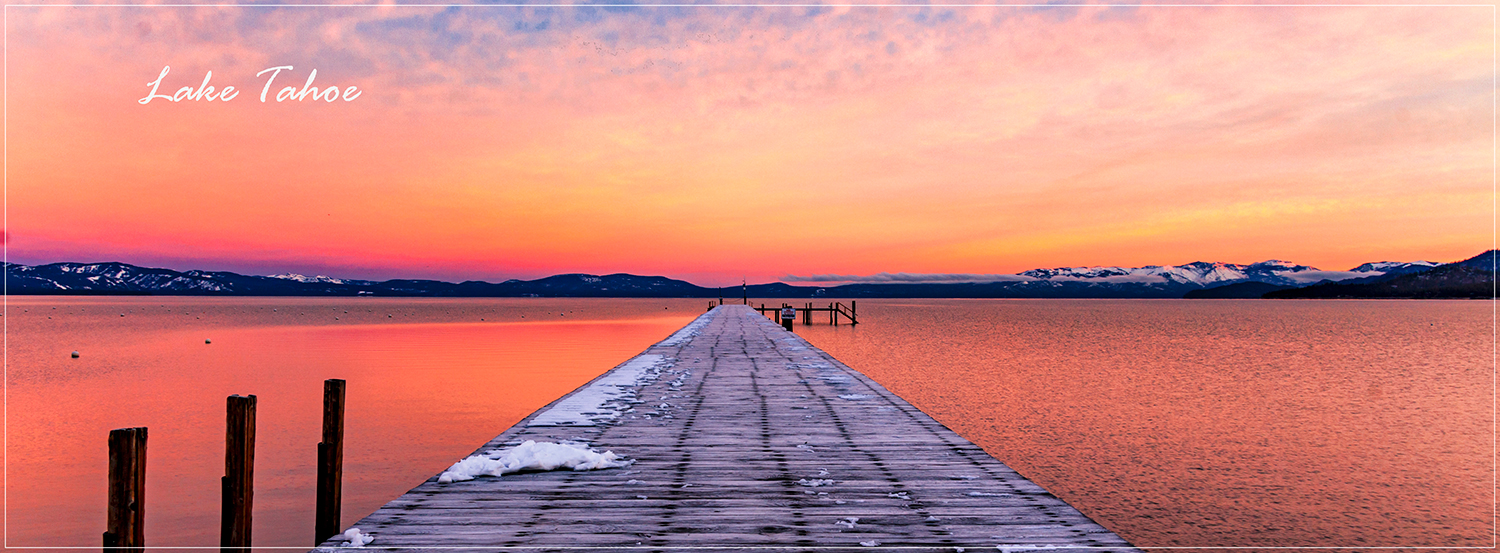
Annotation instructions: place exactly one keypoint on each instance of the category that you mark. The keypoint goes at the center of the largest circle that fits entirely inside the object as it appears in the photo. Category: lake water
(1199, 423)
(1174, 423)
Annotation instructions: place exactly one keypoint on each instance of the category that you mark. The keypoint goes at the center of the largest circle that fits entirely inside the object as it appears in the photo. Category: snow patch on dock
(688, 332)
(535, 456)
(605, 398)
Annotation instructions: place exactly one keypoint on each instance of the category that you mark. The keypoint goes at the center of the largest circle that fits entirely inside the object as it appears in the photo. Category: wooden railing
(805, 312)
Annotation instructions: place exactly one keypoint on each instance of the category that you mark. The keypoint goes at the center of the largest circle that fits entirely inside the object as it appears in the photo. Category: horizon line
(810, 281)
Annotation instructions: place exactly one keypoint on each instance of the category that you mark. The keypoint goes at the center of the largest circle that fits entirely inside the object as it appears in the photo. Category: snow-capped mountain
(1198, 273)
(321, 279)
(1397, 267)
(1473, 278)
(109, 276)
(1156, 281)
(122, 278)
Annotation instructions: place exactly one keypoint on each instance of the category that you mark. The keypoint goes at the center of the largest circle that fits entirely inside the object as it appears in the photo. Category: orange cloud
(493, 141)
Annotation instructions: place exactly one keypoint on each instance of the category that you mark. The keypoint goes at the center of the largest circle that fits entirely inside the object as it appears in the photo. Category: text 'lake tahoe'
(205, 92)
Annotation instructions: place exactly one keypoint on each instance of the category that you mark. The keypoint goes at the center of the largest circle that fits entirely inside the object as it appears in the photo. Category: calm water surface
(1174, 423)
(429, 380)
(1213, 422)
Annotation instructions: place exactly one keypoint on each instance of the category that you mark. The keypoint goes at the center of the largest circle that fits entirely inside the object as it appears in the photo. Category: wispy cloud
(504, 140)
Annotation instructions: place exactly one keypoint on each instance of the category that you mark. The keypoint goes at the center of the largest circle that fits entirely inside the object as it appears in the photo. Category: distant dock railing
(805, 312)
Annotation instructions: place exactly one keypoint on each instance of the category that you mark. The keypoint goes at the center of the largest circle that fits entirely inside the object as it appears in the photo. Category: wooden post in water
(125, 521)
(331, 461)
(239, 474)
(853, 312)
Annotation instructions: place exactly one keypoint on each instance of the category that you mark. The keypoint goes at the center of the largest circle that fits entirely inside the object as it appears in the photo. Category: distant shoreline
(1473, 278)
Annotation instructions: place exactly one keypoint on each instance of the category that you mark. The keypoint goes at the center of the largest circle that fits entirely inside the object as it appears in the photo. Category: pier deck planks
(752, 410)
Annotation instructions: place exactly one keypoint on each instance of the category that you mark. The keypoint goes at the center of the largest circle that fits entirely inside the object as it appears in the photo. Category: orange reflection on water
(1213, 423)
(421, 395)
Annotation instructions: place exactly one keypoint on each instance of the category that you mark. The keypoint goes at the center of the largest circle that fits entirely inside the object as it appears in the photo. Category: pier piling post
(125, 521)
(239, 474)
(330, 462)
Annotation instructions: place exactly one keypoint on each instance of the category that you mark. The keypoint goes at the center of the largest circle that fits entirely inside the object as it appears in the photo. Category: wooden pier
(744, 436)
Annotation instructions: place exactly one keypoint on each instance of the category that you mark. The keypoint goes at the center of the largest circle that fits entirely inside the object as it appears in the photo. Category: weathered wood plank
(749, 437)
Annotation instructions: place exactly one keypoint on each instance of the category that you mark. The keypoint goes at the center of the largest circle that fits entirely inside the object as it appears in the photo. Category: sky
(713, 143)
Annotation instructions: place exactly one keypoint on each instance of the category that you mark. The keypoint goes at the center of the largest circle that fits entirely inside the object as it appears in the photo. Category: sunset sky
(711, 143)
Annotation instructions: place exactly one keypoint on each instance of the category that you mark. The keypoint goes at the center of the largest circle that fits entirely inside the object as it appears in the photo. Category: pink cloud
(963, 140)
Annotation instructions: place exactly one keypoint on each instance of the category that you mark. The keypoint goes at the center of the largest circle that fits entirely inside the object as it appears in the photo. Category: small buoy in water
(208, 341)
(75, 355)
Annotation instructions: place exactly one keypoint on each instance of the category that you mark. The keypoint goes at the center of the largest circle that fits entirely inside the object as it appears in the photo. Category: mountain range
(1198, 279)
(1472, 278)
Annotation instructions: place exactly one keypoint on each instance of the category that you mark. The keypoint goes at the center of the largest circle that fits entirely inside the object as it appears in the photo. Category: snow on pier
(735, 434)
